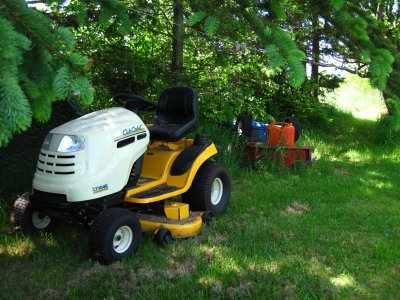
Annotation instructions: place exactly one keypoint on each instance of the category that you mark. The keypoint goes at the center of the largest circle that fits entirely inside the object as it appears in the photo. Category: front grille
(56, 164)
(50, 197)
(56, 156)
(49, 202)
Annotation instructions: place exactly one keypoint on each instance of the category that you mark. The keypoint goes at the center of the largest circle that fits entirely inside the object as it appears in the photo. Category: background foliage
(241, 56)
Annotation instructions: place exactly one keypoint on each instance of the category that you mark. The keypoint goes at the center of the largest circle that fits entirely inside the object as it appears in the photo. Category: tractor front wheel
(115, 234)
(163, 237)
(27, 219)
(210, 190)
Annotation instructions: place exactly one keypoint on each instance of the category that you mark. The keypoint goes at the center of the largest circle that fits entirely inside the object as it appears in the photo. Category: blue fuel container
(259, 132)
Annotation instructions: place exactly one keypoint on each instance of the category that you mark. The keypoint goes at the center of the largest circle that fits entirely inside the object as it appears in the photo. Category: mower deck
(187, 227)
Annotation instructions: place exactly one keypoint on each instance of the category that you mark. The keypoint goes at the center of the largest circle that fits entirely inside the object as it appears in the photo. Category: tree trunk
(315, 55)
(177, 44)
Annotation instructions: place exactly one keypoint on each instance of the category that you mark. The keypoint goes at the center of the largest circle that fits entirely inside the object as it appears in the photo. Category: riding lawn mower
(119, 177)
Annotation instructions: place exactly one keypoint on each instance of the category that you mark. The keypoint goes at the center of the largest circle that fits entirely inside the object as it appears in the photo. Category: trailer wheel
(296, 125)
(244, 126)
(210, 190)
(115, 234)
(25, 218)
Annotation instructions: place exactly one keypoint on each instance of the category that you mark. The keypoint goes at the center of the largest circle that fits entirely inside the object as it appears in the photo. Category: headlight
(47, 141)
(71, 143)
(63, 143)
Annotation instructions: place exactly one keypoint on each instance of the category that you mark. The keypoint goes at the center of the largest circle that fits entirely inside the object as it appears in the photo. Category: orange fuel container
(280, 134)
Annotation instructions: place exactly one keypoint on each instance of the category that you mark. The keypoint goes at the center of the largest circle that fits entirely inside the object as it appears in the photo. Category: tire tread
(101, 229)
(201, 187)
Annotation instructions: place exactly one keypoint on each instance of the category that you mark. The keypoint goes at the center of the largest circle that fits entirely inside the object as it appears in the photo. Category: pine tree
(370, 32)
(360, 37)
(39, 63)
(280, 49)
(265, 20)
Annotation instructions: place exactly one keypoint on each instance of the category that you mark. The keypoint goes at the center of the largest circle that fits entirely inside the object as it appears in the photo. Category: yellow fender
(157, 164)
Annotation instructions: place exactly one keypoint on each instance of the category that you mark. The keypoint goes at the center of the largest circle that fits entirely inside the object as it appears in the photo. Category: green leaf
(337, 4)
(267, 32)
(275, 58)
(31, 89)
(81, 13)
(105, 17)
(278, 10)
(79, 60)
(82, 89)
(211, 25)
(297, 54)
(126, 24)
(297, 72)
(196, 18)
(62, 83)
(11, 41)
(67, 37)
(41, 107)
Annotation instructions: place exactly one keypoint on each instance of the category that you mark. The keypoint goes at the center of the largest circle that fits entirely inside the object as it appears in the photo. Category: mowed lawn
(329, 231)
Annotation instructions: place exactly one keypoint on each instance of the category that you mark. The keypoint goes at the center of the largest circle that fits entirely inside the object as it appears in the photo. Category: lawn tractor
(119, 177)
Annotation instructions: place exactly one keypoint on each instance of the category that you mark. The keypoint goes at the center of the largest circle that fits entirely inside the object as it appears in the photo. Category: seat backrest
(177, 105)
(176, 114)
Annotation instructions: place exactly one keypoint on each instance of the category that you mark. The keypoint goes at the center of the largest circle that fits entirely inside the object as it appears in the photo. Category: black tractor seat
(176, 114)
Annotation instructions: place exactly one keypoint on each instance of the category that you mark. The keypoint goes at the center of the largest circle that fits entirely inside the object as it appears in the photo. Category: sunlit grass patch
(355, 156)
(16, 247)
(343, 280)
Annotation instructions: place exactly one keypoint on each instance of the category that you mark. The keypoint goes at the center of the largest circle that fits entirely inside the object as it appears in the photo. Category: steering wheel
(134, 102)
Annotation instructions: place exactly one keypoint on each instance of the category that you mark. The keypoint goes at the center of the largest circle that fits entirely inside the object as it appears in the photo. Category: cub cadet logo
(101, 188)
(131, 130)
(128, 132)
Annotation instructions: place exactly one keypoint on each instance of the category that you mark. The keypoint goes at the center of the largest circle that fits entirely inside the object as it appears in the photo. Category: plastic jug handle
(281, 123)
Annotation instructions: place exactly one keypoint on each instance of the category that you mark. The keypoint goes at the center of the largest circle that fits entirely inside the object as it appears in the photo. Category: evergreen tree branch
(357, 70)
(16, 13)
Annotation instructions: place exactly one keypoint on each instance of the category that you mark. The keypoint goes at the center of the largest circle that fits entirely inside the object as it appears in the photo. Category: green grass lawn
(330, 231)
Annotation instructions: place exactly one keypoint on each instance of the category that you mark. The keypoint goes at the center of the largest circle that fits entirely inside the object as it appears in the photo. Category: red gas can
(280, 134)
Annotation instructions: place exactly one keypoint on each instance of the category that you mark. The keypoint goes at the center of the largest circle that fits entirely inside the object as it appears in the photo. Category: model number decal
(101, 188)
(128, 132)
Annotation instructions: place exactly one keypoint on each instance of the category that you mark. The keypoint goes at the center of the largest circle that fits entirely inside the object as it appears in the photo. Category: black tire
(297, 126)
(115, 234)
(163, 237)
(200, 195)
(207, 217)
(25, 218)
(244, 126)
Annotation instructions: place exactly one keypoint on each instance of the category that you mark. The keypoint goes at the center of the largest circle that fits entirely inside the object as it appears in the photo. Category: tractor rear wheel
(115, 234)
(210, 190)
(27, 219)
